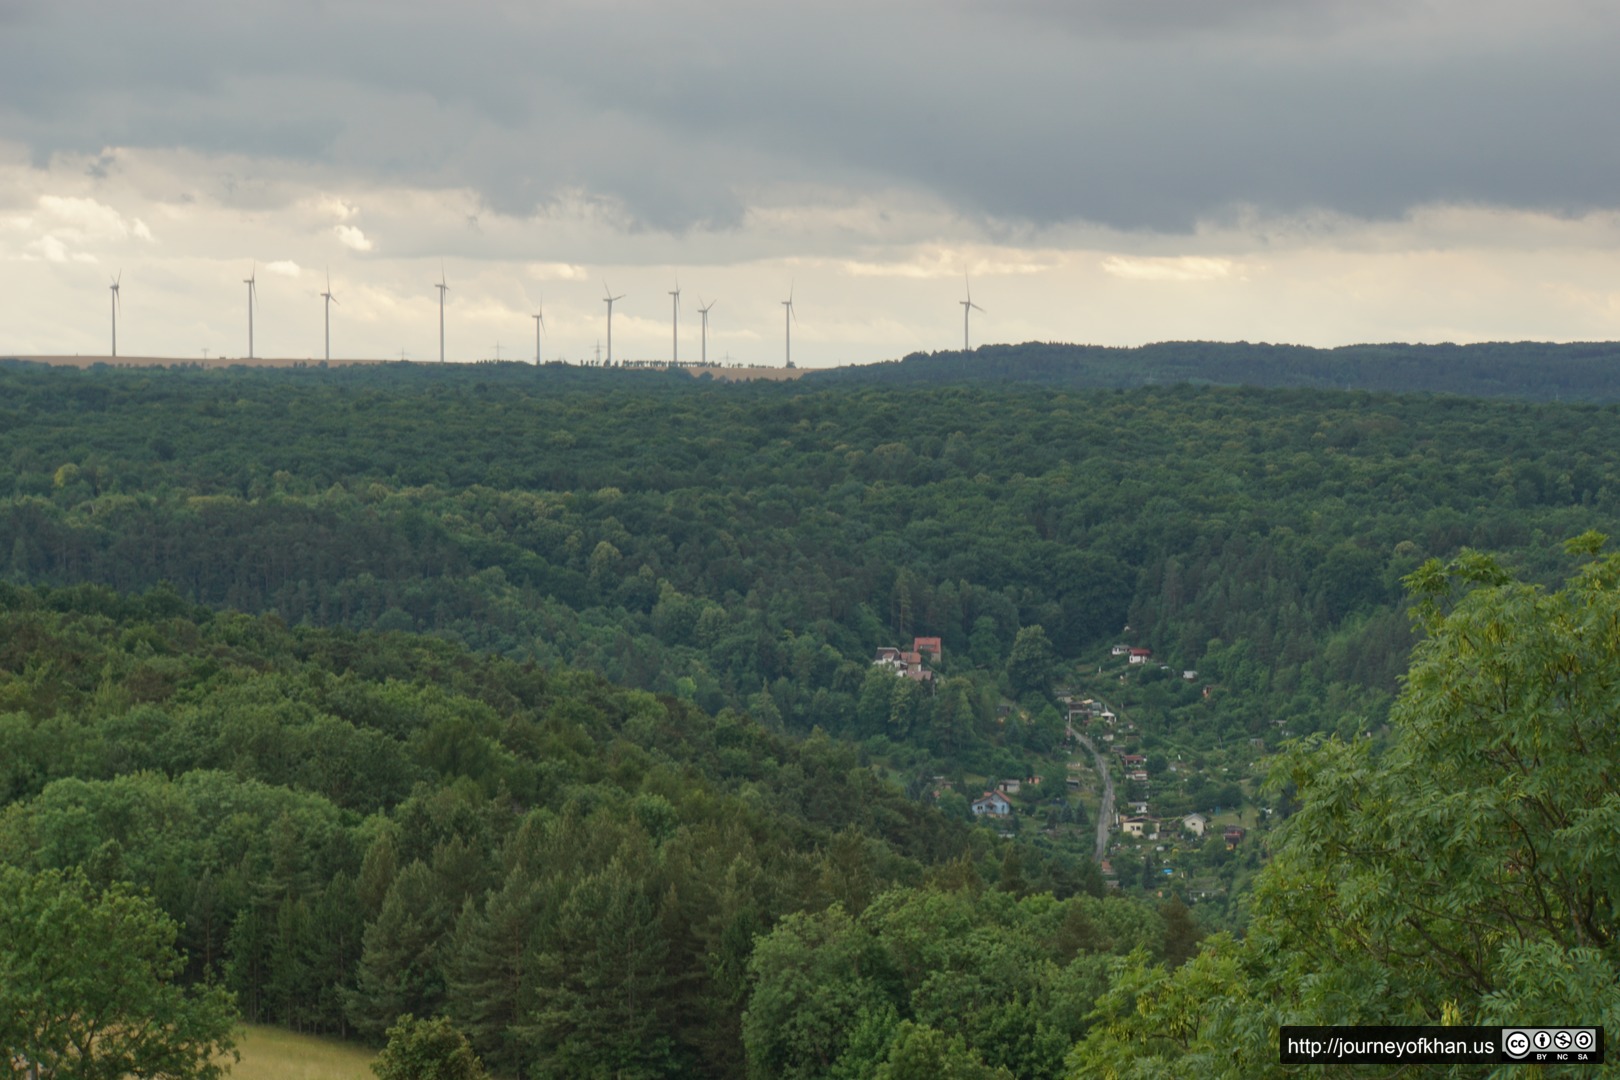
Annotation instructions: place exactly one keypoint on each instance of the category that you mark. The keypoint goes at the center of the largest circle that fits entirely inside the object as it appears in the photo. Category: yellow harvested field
(269, 1053)
(744, 374)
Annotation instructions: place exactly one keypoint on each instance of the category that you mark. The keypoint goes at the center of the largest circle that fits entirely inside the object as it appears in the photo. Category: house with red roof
(993, 803)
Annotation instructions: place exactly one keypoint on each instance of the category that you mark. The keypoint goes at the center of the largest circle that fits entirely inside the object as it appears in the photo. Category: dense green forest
(346, 827)
(751, 546)
(1530, 370)
(544, 699)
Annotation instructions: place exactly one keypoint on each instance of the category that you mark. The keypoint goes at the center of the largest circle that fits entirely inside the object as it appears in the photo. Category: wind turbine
(787, 323)
(967, 306)
(609, 299)
(704, 311)
(330, 300)
(251, 281)
(114, 287)
(443, 288)
(539, 318)
(675, 328)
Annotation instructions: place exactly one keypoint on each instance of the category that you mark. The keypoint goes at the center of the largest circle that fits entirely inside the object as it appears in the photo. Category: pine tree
(339, 929)
(602, 988)
(399, 966)
(491, 969)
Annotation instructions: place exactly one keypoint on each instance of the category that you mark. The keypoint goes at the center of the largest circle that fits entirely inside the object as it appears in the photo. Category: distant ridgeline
(1585, 371)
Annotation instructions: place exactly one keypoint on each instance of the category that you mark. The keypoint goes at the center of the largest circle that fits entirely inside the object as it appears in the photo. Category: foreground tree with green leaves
(427, 1050)
(1470, 874)
(941, 981)
(87, 986)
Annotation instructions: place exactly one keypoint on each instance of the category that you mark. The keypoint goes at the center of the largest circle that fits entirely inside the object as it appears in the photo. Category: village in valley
(1147, 779)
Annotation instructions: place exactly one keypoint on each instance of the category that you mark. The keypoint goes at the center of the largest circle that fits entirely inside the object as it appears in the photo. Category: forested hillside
(545, 699)
(752, 545)
(349, 827)
(1530, 370)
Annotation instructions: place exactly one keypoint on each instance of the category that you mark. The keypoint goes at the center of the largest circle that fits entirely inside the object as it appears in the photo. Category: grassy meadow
(269, 1053)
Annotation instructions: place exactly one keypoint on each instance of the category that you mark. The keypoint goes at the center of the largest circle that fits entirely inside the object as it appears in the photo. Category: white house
(907, 665)
(1139, 825)
(1195, 824)
(993, 802)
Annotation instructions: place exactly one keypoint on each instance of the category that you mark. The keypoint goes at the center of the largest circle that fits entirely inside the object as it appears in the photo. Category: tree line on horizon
(1528, 370)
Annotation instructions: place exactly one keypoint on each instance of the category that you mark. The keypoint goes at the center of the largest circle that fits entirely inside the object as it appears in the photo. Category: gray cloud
(1130, 113)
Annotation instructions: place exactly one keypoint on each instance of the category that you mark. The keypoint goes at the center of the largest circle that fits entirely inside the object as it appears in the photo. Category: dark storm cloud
(1133, 113)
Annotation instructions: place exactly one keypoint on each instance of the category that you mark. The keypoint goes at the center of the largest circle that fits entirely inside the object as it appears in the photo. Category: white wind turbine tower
(114, 287)
(443, 288)
(539, 318)
(675, 326)
(967, 306)
(609, 299)
(704, 311)
(330, 300)
(787, 321)
(251, 281)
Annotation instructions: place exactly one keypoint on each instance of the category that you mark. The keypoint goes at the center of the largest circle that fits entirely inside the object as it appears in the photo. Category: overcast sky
(1107, 171)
